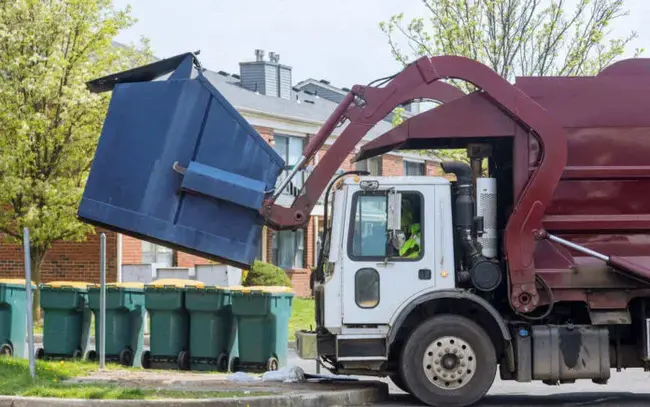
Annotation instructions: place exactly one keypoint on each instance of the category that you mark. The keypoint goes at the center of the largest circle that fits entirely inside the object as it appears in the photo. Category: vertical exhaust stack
(484, 274)
(486, 208)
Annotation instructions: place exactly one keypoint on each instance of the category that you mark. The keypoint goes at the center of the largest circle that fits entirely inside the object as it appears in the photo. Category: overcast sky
(337, 40)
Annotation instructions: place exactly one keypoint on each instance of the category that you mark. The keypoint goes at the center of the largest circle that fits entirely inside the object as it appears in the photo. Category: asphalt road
(626, 388)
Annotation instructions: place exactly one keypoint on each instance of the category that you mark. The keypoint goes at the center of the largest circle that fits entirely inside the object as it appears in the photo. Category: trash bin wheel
(222, 362)
(184, 360)
(77, 354)
(126, 357)
(272, 364)
(234, 364)
(6, 350)
(92, 355)
(146, 359)
(40, 353)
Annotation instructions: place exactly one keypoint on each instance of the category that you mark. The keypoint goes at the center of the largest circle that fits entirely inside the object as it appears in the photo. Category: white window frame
(294, 238)
(420, 164)
(156, 254)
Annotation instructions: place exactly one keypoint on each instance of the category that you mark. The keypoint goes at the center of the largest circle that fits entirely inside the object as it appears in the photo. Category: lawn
(302, 316)
(16, 381)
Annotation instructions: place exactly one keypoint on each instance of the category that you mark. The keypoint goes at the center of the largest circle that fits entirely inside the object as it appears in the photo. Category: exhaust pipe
(485, 274)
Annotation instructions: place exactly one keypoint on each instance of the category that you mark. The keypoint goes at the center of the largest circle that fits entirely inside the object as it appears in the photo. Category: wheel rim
(449, 363)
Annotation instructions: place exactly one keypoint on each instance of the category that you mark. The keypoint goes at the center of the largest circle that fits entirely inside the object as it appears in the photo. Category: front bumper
(307, 344)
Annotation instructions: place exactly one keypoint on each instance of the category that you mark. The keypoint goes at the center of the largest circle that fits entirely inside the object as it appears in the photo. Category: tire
(234, 364)
(40, 354)
(222, 362)
(464, 348)
(397, 381)
(77, 355)
(126, 357)
(272, 364)
(92, 356)
(145, 359)
(6, 350)
(184, 360)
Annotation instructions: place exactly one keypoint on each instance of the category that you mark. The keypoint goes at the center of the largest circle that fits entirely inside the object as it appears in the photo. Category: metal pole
(578, 248)
(102, 302)
(30, 300)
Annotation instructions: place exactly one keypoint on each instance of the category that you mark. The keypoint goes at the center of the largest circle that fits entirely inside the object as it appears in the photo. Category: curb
(375, 392)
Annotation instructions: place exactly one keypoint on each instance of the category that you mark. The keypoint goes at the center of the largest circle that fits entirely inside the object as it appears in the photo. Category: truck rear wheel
(448, 361)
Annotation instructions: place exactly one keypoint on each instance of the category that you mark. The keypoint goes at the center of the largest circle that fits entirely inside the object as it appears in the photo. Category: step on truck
(530, 260)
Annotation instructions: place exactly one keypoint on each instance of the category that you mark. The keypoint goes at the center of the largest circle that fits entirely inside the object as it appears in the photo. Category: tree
(514, 37)
(49, 121)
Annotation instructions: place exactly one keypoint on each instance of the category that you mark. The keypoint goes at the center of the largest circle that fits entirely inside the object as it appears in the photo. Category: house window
(372, 165)
(153, 253)
(288, 249)
(413, 168)
(290, 148)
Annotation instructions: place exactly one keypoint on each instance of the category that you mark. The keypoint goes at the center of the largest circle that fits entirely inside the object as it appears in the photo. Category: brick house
(285, 116)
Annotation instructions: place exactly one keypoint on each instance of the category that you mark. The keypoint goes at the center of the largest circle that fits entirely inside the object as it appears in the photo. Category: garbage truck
(529, 260)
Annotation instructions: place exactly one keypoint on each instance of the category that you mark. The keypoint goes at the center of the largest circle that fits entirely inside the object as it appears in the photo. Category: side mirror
(394, 211)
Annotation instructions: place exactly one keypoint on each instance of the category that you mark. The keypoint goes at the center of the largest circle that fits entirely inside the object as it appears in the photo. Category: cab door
(376, 280)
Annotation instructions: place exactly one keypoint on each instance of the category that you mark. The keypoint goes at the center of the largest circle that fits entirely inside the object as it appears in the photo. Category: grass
(16, 381)
(303, 316)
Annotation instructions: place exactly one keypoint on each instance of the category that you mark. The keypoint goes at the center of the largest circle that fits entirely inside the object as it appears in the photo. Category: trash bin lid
(176, 282)
(133, 284)
(67, 284)
(14, 281)
(129, 286)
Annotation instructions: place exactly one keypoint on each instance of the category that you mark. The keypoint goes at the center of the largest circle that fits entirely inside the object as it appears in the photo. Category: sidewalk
(307, 394)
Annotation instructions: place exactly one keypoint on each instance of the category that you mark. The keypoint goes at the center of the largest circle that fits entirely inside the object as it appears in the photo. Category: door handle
(424, 274)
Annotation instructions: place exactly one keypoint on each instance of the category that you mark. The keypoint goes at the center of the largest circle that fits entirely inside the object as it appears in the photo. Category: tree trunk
(37, 255)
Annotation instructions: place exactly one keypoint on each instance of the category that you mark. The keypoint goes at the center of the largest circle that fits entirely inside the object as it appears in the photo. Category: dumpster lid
(73, 284)
(13, 281)
(176, 282)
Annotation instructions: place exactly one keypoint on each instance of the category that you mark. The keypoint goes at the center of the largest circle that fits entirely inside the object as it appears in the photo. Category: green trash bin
(13, 316)
(66, 320)
(125, 315)
(262, 316)
(212, 337)
(169, 324)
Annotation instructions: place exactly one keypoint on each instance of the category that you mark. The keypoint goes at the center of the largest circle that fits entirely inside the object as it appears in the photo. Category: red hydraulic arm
(365, 106)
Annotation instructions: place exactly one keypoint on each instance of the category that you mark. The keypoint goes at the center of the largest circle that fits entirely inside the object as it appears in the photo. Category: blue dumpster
(177, 165)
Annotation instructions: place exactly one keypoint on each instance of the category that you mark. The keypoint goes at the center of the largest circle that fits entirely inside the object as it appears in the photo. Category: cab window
(369, 236)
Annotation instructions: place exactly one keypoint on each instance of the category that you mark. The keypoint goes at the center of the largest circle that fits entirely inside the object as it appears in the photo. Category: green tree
(514, 37)
(49, 121)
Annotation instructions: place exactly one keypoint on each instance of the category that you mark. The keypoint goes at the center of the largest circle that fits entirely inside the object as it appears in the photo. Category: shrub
(266, 274)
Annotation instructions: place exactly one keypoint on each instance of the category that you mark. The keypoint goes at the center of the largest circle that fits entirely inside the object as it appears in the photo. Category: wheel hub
(449, 363)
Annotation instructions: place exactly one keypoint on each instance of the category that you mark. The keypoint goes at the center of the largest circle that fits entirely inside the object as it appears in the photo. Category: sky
(336, 40)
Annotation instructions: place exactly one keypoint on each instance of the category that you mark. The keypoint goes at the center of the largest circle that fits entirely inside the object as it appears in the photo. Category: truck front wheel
(448, 361)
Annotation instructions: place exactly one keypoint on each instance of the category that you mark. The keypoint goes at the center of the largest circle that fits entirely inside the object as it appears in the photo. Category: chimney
(269, 78)
(259, 55)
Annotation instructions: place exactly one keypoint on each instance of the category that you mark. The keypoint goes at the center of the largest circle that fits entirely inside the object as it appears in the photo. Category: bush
(266, 274)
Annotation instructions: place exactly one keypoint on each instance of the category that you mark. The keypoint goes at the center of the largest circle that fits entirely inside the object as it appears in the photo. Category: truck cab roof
(399, 180)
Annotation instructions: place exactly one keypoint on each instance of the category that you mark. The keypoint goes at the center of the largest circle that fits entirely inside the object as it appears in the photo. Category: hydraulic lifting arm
(365, 106)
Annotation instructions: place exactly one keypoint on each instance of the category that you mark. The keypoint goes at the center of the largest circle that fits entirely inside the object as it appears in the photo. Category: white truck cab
(382, 310)
(368, 283)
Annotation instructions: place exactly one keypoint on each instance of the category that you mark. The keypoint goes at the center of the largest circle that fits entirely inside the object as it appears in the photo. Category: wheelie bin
(13, 317)
(125, 316)
(66, 320)
(212, 337)
(169, 324)
(262, 315)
